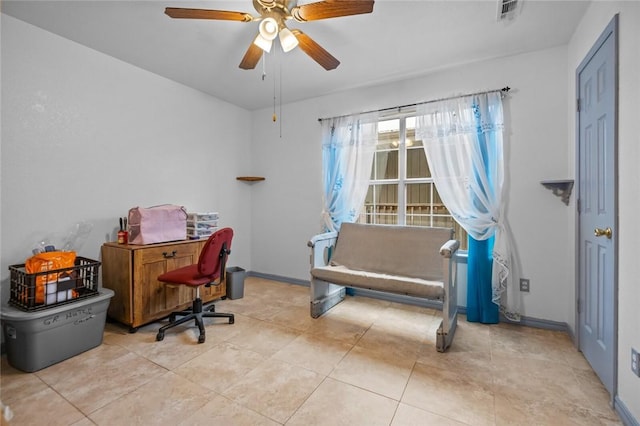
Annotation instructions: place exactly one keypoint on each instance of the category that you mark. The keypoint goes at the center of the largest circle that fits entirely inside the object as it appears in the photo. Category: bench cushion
(406, 251)
(416, 287)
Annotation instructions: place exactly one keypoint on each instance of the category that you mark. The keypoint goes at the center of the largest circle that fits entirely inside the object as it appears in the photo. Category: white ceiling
(399, 39)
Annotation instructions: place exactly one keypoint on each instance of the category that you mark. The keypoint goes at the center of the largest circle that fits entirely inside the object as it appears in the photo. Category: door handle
(599, 232)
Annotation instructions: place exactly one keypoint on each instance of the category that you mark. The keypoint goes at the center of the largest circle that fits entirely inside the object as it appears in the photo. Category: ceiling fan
(273, 15)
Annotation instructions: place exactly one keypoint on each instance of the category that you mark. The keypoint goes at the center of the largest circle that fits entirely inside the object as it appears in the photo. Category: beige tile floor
(366, 362)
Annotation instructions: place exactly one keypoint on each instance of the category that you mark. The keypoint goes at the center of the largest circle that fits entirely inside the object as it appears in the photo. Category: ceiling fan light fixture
(272, 15)
(268, 28)
(263, 43)
(288, 41)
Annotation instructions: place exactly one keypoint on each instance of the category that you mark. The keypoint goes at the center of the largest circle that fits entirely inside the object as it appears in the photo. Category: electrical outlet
(635, 362)
(524, 284)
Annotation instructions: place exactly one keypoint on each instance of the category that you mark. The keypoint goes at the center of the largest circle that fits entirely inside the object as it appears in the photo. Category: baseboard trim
(416, 301)
(540, 323)
(624, 413)
(281, 278)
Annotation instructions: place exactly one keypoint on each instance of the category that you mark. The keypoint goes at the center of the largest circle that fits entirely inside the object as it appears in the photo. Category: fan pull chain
(280, 100)
(264, 66)
(274, 117)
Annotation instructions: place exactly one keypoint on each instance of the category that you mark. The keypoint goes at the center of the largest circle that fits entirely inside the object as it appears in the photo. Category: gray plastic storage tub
(35, 340)
(235, 282)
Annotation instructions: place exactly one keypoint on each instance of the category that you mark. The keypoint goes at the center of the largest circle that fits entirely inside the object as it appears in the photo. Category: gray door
(597, 218)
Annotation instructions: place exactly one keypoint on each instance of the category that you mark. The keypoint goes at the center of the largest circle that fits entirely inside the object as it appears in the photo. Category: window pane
(381, 205)
(417, 166)
(438, 205)
(425, 208)
(411, 133)
(388, 134)
(386, 165)
(386, 159)
(418, 209)
(461, 235)
(390, 125)
(422, 204)
(417, 163)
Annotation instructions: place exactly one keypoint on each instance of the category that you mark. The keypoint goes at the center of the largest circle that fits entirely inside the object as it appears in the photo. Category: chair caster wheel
(201, 338)
(159, 337)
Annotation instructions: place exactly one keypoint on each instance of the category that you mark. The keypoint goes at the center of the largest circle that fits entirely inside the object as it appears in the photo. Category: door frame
(611, 30)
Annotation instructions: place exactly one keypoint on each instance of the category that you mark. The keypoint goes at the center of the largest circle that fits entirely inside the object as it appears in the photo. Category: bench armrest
(322, 246)
(450, 303)
(321, 237)
(449, 248)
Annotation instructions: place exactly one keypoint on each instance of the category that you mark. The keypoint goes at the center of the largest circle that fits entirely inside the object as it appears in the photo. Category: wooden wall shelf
(250, 178)
(561, 188)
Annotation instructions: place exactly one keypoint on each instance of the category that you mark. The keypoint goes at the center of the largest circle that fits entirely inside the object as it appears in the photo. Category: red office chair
(208, 271)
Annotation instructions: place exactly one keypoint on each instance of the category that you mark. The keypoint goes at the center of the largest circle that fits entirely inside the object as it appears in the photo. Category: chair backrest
(214, 254)
(410, 251)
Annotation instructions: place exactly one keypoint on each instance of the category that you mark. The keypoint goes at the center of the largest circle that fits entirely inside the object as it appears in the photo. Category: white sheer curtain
(348, 147)
(462, 138)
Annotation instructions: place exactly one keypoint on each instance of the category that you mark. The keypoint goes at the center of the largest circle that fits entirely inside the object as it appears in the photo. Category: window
(401, 190)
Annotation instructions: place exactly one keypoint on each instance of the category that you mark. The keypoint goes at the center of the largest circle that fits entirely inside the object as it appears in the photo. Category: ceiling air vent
(507, 9)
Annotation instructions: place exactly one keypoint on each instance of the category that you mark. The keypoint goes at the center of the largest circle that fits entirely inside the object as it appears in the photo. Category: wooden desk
(131, 271)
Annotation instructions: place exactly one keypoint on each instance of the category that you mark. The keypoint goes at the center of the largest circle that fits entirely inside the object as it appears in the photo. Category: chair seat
(187, 275)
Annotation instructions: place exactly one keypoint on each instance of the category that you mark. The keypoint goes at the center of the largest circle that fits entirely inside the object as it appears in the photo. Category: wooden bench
(413, 261)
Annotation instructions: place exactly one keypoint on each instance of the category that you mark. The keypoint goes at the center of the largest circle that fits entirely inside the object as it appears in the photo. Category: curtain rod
(504, 90)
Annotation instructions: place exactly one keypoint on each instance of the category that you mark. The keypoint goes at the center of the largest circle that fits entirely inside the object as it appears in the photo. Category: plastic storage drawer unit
(35, 340)
(201, 225)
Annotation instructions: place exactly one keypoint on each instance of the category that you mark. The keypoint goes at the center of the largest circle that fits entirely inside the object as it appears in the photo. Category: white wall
(288, 202)
(85, 137)
(593, 23)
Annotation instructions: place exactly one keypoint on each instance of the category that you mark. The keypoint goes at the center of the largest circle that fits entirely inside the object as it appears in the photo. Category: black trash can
(235, 282)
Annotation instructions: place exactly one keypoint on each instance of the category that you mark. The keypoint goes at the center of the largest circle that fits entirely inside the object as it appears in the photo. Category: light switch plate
(635, 362)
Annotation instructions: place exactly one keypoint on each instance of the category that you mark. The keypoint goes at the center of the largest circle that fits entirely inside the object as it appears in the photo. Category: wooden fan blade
(223, 15)
(251, 57)
(331, 9)
(317, 52)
